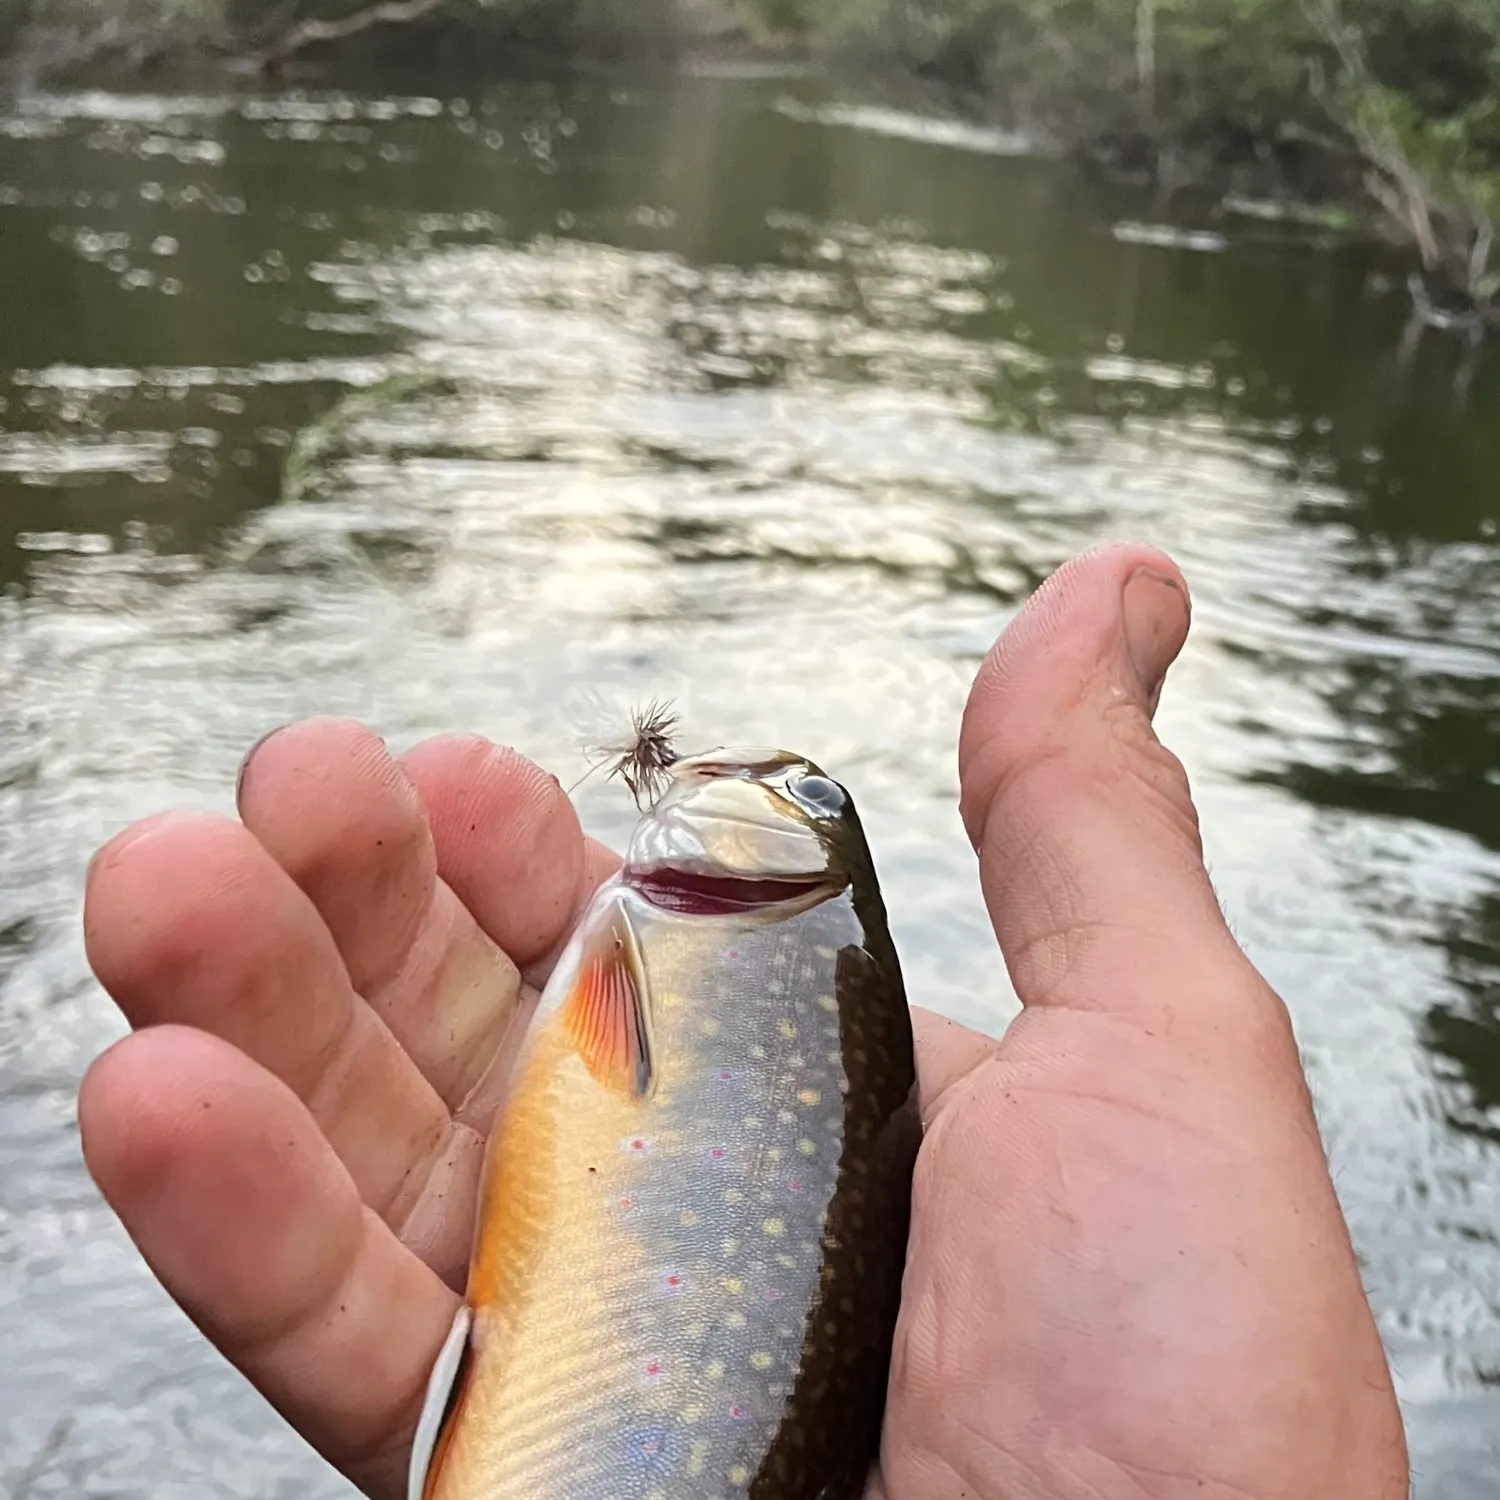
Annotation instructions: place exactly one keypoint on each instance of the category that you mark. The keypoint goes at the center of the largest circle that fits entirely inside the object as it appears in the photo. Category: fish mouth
(699, 893)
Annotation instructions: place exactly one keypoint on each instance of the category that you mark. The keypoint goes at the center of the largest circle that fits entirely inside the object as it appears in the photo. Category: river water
(506, 411)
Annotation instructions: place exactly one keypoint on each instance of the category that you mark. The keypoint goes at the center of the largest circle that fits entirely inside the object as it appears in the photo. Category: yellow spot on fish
(714, 1369)
(787, 1029)
(828, 1002)
(758, 1053)
(809, 1096)
(823, 952)
(694, 1413)
(731, 1247)
(739, 1474)
(689, 1218)
(774, 1154)
(733, 1285)
(806, 1147)
(666, 999)
(710, 1027)
(786, 1117)
(789, 1261)
(736, 1320)
(751, 1123)
(698, 1459)
(732, 1195)
(696, 1330)
(761, 1360)
(774, 1227)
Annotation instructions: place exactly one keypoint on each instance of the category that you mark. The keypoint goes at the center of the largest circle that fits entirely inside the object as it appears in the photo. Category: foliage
(47, 37)
(1407, 92)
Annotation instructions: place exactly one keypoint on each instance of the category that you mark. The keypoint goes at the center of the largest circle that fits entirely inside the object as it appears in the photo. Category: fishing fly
(644, 759)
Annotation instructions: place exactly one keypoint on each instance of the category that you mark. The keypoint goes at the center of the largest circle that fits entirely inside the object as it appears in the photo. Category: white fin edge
(439, 1389)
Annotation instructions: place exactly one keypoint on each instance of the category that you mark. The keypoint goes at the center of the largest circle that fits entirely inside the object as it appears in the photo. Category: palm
(1089, 1310)
(1126, 1263)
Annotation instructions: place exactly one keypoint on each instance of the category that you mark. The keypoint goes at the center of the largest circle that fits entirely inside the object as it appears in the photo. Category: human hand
(1128, 1275)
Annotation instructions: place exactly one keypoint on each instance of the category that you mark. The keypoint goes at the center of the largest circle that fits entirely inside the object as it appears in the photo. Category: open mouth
(693, 893)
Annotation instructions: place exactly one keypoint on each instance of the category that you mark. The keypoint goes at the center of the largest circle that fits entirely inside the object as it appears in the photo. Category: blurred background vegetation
(1395, 103)
(1391, 107)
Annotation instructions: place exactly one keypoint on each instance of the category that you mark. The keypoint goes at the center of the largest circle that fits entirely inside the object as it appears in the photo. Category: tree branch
(310, 33)
(1398, 188)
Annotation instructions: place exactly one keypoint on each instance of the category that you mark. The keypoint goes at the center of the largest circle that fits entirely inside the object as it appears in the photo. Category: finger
(236, 1201)
(509, 843)
(947, 1053)
(1083, 821)
(188, 920)
(341, 819)
(340, 816)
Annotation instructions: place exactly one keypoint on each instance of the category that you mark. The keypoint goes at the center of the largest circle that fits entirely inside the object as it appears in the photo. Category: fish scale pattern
(688, 1289)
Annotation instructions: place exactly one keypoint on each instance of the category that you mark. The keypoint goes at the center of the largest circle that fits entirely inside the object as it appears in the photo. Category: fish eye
(818, 794)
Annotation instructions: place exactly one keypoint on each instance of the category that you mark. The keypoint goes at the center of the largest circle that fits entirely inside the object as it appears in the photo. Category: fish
(693, 1216)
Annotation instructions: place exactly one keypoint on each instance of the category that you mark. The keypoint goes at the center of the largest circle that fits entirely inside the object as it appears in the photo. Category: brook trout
(693, 1221)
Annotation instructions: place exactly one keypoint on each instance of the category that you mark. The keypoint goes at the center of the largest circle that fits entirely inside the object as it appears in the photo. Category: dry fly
(643, 760)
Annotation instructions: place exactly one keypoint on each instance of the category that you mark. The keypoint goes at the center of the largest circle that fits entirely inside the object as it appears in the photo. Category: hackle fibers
(644, 760)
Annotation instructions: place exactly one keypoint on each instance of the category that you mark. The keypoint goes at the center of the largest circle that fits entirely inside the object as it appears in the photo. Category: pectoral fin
(608, 1012)
(444, 1386)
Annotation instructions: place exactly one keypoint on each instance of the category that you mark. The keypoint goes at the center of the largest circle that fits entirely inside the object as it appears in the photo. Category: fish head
(740, 828)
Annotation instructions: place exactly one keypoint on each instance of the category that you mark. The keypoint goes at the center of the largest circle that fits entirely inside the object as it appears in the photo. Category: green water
(505, 412)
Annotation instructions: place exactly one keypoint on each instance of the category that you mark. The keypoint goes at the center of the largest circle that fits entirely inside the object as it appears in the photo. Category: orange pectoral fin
(608, 1013)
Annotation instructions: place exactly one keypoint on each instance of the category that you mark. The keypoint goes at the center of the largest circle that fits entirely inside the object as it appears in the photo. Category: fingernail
(250, 754)
(1155, 611)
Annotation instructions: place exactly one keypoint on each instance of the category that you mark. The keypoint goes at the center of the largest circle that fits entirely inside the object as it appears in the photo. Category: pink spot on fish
(736, 1413)
(795, 1186)
(636, 1145)
(716, 1153)
(733, 953)
(655, 1372)
(773, 1294)
(673, 1281)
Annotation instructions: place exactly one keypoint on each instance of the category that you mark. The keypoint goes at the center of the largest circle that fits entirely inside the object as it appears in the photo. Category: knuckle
(1139, 759)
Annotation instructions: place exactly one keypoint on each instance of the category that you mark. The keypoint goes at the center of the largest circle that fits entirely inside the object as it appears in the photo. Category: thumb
(1090, 859)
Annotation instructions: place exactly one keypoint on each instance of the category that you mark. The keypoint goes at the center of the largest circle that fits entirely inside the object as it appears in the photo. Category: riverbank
(1389, 108)
(1384, 109)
